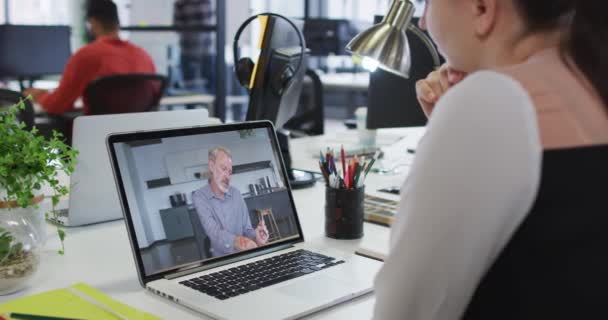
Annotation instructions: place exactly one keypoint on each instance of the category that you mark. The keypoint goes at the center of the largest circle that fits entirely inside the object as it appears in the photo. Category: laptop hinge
(225, 262)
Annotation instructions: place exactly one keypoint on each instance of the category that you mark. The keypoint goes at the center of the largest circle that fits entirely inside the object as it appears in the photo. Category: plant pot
(20, 247)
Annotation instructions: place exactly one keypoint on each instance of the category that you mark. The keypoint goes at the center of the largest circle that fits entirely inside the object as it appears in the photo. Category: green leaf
(28, 161)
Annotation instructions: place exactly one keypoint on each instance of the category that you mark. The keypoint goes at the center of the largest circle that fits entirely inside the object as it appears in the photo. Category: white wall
(148, 163)
(147, 13)
(130, 181)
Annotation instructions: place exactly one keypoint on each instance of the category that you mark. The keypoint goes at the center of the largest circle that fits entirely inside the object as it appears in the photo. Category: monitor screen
(194, 197)
(328, 36)
(33, 51)
(392, 100)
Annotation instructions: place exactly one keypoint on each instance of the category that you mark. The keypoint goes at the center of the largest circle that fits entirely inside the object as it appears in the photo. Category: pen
(23, 316)
(353, 172)
(329, 160)
(343, 161)
(371, 163)
(358, 169)
(324, 172)
(346, 176)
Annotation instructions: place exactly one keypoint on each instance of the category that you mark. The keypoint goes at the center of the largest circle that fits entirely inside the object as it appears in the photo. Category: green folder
(64, 304)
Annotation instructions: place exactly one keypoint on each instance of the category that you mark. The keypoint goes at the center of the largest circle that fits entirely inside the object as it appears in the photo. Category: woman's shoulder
(485, 95)
(538, 71)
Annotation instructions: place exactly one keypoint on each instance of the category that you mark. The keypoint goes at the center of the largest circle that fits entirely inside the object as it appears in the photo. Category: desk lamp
(385, 45)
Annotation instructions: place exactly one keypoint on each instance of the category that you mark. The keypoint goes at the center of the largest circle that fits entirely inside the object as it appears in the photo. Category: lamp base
(299, 179)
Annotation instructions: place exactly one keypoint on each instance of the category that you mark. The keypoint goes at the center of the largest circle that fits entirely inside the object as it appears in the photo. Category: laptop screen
(195, 195)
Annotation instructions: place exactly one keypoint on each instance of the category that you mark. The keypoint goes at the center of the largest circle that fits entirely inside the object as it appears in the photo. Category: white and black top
(474, 179)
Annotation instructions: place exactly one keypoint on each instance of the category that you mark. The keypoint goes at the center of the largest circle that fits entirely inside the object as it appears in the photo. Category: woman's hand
(429, 90)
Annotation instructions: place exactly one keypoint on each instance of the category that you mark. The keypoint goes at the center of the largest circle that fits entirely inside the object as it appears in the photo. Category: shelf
(274, 190)
(159, 28)
(241, 168)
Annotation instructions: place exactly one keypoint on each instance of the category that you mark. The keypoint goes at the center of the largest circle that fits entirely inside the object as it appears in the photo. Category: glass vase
(20, 248)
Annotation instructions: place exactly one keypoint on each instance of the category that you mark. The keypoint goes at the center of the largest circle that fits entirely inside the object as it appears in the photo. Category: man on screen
(223, 212)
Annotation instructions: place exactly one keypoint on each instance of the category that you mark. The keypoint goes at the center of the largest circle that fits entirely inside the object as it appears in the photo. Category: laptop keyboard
(257, 275)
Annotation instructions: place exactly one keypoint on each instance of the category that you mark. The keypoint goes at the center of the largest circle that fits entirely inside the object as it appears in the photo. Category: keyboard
(263, 273)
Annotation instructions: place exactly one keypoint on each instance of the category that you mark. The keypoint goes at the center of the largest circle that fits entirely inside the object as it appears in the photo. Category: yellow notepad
(63, 303)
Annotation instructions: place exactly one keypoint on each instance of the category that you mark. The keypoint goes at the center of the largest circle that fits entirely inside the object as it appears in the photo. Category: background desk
(100, 255)
(343, 93)
(345, 81)
(202, 99)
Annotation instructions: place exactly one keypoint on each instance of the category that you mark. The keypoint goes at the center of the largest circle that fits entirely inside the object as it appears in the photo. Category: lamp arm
(427, 42)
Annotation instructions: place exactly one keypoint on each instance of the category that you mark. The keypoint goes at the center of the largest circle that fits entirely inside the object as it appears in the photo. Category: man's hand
(35, 93)
(243, 243)
(429, 90)
(261, 233)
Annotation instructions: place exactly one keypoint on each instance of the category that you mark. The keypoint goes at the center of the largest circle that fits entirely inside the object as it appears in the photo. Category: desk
(393, 142)
(344, 92)
(345, 81)
(205, 99)
(100, 255)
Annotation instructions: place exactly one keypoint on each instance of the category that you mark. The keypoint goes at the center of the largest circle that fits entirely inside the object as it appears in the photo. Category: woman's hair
(586, 41)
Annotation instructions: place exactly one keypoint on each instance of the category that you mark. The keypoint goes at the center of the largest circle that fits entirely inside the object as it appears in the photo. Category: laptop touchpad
(317, 289)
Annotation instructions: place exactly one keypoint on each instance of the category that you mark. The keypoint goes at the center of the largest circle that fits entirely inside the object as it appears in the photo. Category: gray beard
(220, 185)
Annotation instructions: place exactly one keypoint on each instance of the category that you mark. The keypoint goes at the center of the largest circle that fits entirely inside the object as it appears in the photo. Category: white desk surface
(100, 255)
(393, 142)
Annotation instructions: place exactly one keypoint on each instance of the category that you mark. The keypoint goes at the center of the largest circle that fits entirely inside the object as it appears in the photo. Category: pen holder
(344, 213)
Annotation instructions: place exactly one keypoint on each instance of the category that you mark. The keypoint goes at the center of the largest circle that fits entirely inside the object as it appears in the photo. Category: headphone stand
(298, 179)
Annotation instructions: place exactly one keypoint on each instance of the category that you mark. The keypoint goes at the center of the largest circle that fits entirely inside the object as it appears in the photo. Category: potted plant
(28, 162)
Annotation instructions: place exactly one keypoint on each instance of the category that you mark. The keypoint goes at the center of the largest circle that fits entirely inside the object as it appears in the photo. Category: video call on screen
(198, 197)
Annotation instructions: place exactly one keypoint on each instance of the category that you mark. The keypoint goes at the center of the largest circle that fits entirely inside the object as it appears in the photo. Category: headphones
(244, 66)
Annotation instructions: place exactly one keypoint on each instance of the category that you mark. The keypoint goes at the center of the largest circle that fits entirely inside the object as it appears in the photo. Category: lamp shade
(386, 42)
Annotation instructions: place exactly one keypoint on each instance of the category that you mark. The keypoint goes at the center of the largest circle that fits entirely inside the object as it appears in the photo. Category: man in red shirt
(107, 55)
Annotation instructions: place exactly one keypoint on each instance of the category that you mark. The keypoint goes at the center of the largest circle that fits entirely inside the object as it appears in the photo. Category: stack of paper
(374, 245)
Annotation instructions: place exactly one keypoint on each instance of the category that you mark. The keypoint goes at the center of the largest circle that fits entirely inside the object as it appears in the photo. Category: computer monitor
(328, 36)
(32, 51)
(392, 99)
(274, 98)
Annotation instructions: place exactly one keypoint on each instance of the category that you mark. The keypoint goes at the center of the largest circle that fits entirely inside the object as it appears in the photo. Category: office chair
(309, 118)
(203, 242)
(9, 98)
(125, 93)
(267, 216)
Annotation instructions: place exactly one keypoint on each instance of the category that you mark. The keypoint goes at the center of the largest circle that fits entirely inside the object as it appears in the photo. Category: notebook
(64, 303)
(219, 253)
(374, 245)
(379, 210)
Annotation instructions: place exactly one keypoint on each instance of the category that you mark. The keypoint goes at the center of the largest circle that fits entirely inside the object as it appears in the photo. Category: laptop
(184, 251)
(93, 198)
